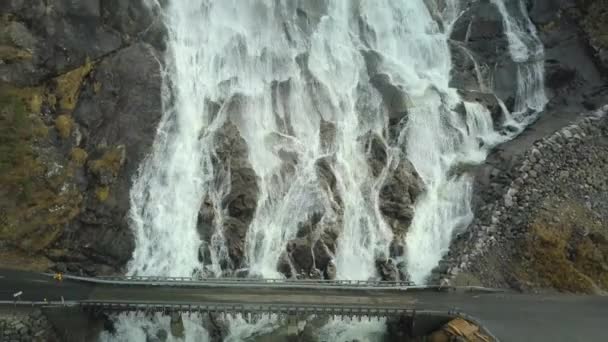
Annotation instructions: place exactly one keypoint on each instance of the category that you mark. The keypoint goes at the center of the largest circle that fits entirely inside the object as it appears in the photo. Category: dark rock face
(63, 34)
(478, 35)
(115, 109)
(573, 70)
(88, 75)
(574, 78)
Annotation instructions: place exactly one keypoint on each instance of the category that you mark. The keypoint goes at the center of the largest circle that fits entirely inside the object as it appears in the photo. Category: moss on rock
(63, 124)
(69, 84)
(10, 54)
(102, 193)
(78, 156)
(108, 166)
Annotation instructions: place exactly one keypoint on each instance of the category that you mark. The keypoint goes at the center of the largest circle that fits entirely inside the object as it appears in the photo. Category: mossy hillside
(567, 249)
(15, 259)
(38, 196)
(40, 201)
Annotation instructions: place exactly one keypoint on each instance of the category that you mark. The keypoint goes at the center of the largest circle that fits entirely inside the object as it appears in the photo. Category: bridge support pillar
(177, 325)
(292, 326)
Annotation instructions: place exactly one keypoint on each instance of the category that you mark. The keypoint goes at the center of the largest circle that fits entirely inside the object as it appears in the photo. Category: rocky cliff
(81, 95)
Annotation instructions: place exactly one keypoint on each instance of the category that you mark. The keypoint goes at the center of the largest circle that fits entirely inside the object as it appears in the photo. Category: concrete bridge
(507, 315)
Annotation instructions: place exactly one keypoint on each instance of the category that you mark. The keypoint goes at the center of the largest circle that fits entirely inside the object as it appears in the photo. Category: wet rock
(327, 135)
(327, 178)
(393, 96)
(217, 328)
(204, 254)
(301, 253)
(375, 149)
(232, 150)
(240, 203)
(331, 270)
(235, 232)
(487, 100)
(285, 265)
(480, 32)
(387, 270)
(177, 325)
(281, 106)
(398, 194)
(396, 249)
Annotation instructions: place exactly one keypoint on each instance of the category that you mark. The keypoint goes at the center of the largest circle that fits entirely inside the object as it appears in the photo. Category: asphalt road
(509, 316)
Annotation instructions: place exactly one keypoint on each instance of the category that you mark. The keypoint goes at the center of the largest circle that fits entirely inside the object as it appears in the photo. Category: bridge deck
(509, 316)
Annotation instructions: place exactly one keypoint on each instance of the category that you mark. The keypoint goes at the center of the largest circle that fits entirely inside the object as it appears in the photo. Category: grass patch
(567, 249)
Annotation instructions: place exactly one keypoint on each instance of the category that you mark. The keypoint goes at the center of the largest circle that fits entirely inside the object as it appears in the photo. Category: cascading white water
(435, 148)
(527, 52)
(246, 52)
(167, 195)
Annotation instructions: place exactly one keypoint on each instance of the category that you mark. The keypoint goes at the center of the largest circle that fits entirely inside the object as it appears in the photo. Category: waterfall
(282, 72)
(527, 52)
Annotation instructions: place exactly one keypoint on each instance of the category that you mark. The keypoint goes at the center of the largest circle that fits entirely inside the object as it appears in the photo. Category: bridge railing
(230, 308)
(185, 280)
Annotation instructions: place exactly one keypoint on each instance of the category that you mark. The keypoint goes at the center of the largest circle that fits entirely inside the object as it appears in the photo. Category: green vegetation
(102, 193)
(78, 156)
(67, 87)
(64, 124)
(110, 163)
